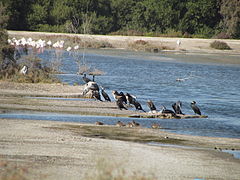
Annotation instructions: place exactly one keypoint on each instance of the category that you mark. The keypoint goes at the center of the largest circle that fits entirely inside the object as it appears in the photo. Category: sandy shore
(52, 150)
(58, 150)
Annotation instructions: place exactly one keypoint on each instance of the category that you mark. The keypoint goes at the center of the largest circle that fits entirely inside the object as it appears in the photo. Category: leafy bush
(220, 45)
(7, 61)
(141, 45)
(129, 32)
(36, 72)
(51, 28)
(172, 33)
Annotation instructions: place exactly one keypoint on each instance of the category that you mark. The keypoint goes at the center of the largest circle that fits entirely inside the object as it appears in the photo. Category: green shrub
(172, 33)
(220, 45)
(51, 28)
(141, 45)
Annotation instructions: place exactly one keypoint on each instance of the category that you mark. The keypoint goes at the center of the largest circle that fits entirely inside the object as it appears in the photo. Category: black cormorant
(120, 104)
(167, 111)
(131, 99)
(119, 96)
(195, 108)
(115, 95)
(105, 95)
(138, 105)
(151, 106)
(124, 99)
(177, 107)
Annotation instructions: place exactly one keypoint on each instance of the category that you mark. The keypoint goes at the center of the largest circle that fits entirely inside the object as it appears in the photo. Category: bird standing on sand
(115, 95)
(130, 98)
(138, 106)
(120, 124)
(177, 107)
(151, 106)
(120, 104)
(133, 124)
(119, 96)
(99, 123)
(167, 111)
(90, 86)
(105, 95)
(124, 99)
(155, 126)
(96, 95)
(195, 108)
(178, 42)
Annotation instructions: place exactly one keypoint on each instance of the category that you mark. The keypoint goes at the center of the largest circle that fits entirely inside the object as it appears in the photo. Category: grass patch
(122, 133)
(141, 45)
(107, 170)
(220, 45)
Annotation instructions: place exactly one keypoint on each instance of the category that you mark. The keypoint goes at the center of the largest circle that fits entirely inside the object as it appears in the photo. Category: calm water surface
(215, 88)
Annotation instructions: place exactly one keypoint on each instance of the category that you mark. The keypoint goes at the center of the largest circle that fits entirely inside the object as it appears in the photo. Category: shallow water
(215, 87)
(235, 153)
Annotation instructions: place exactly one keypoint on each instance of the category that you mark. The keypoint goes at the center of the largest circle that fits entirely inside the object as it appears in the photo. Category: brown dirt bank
(188, 45)
(58, 150)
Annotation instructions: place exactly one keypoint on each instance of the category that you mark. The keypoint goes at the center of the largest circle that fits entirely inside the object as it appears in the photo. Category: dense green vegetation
(11, 62)
(186, 18)
(7, 60)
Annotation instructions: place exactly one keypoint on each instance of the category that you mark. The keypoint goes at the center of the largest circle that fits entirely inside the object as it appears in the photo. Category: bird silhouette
(120, 104)
(151, 106)
(105, 95)
(177, 107)
(195, 108)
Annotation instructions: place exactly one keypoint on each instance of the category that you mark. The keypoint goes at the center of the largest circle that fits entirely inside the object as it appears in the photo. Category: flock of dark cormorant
(123, 101)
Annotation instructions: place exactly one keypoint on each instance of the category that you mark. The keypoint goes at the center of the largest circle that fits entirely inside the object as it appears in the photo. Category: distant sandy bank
(188, 45)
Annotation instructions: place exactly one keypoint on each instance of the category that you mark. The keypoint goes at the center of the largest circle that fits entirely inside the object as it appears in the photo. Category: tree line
(203, 18)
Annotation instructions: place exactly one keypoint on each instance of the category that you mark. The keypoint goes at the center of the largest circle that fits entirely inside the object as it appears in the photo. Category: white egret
(69, 48)
(24, 70)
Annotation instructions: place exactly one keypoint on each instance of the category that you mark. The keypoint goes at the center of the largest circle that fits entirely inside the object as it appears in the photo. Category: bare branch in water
(96, 72)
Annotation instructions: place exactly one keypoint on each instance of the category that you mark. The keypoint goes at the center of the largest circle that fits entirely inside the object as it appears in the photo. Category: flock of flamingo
(40, 44)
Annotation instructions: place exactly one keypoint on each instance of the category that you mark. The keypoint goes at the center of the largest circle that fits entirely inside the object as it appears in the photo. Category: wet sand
(59, 150)
(52, 150)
